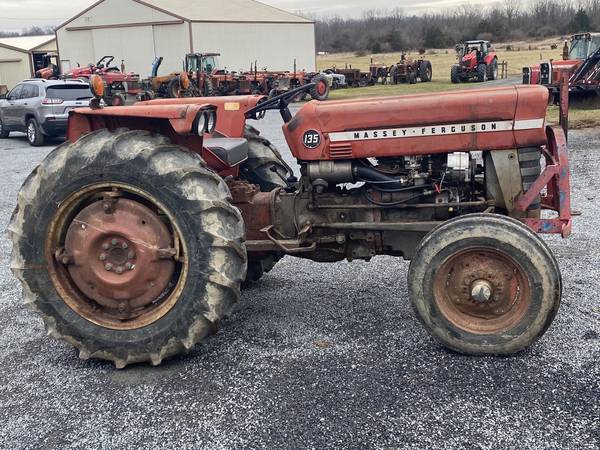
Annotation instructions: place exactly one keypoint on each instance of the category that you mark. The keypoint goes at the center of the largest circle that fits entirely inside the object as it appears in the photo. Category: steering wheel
(280, 102)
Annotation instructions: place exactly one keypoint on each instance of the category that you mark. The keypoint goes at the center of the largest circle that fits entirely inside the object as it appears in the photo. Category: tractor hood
(475, 119)
(469, 59)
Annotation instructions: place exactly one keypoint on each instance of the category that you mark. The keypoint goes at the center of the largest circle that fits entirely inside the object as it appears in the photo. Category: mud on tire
(197, 200)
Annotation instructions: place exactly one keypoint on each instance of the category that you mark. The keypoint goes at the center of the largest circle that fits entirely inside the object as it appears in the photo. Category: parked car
(40, 108)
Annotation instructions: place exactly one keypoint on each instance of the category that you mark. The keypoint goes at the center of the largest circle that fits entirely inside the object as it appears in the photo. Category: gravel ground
(316, 356)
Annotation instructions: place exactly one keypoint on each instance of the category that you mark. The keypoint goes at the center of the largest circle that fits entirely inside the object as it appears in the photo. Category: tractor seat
(232, 151)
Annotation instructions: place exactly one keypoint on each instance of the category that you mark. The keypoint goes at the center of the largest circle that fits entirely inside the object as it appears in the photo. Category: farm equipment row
(200, 77)
(407, 70)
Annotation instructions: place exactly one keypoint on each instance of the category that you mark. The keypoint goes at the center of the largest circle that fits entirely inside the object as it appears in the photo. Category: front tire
(493, 290)
(127, 247)
(35, 137)
(454, 76)
(493, 70)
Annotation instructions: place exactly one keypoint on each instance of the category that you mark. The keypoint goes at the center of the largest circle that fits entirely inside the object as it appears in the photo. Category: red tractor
(118, 84)
(580, 59)
(132, 241)
(477, 60)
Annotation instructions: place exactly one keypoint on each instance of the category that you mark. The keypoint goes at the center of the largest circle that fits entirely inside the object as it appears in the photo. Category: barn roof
(225, 11)
(26, 43)
(244, 11)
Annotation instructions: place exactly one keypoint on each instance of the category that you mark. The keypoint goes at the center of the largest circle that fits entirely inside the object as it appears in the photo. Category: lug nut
(119, 270)
(114, 242)
(125, 246)
(108, 267)
(129, 266)
(105, 246)
(131, 255)
(103, 257)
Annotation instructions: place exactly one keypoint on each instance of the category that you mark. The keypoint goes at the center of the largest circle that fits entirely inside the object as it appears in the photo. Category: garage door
(134, 45)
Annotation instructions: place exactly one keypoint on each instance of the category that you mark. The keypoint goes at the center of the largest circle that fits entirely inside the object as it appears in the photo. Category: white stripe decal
(434, 130)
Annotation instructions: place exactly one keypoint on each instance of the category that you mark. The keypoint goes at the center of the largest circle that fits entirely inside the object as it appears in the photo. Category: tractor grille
(340, 151)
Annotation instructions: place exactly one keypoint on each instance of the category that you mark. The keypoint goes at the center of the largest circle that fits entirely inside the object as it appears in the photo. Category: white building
(20, 57)
(136, 31)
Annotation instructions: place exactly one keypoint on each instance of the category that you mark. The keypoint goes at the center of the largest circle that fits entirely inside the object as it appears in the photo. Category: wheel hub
(481, 290)
(119, 253)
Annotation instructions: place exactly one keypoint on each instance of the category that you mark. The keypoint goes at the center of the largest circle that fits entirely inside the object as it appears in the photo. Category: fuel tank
(455, 121)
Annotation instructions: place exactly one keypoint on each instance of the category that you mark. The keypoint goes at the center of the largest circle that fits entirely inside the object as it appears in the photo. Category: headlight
(211, 121)
(201, 124)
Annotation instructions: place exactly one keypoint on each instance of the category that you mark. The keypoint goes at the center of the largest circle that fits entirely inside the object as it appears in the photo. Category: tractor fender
(231, 110)
(170, 120)
(489, 59)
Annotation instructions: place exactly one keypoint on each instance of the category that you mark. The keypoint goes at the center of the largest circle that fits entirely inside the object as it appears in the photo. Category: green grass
(441, 61)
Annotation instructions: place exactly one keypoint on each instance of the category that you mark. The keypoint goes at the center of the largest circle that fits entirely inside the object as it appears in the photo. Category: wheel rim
(321, 88)
(116, 257)
(31, 132)
(482, 291)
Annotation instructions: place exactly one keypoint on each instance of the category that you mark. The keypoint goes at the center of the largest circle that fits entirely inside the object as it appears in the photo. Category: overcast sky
(16, 14)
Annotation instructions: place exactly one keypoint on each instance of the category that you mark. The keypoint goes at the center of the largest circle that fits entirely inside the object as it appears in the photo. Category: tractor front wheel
(484, 284)
(127, 246)
(321, 89)
(454, 76)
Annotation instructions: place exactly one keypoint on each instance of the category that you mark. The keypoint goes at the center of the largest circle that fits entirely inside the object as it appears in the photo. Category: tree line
(34, 30)
(380, 31)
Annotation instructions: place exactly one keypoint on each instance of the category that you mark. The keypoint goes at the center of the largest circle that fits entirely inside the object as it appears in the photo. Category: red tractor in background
(477, 60)
(119, 85)
(50, 67)
(132, 241)
(581, 59)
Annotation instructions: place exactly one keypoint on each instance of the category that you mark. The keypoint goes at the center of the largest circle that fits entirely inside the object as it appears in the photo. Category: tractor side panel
(487, 119)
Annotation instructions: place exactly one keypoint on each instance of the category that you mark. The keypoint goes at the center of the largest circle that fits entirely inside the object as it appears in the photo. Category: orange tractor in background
(133, 240)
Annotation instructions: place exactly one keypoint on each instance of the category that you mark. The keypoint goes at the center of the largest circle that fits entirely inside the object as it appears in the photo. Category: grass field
(441, 61)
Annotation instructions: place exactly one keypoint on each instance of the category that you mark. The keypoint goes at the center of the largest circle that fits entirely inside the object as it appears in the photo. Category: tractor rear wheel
(493, 70)
(174, 88)
(425, 71)
(493, 290)
(482, 73)
(454, 76)
(266, 168)
(127, 246)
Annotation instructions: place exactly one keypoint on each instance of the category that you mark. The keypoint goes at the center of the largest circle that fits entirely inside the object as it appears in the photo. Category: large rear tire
(482, 71)
(493, 70)
(266, 168)
(492, 290)
(425, 71)
(127, 246)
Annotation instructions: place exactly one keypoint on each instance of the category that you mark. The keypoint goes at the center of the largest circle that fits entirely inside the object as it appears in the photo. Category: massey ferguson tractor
(580, 59)
(477, 60)
(132, 240)
(409, 70)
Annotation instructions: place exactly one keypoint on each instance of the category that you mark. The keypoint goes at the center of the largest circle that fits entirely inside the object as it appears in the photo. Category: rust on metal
(482, 291)
(120, 267)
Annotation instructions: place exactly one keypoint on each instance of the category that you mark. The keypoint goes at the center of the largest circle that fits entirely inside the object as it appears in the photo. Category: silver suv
(40, 108)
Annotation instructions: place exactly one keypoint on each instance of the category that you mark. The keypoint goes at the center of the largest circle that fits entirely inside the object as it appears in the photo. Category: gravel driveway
(316, 356)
